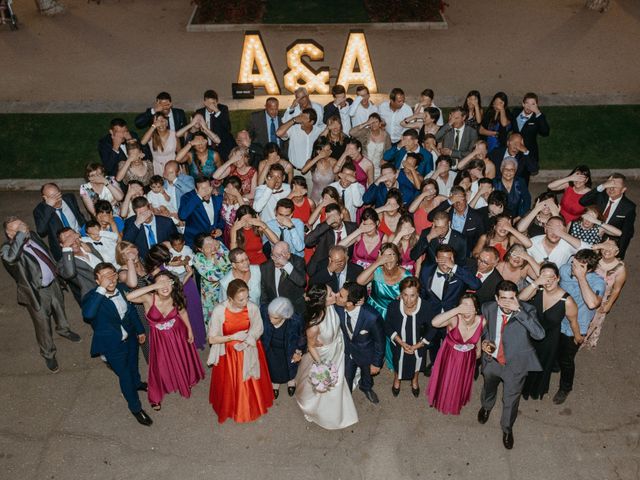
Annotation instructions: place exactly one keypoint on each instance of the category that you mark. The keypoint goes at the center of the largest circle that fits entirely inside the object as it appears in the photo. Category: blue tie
(151, 236)
(272, 131)
(63, 217)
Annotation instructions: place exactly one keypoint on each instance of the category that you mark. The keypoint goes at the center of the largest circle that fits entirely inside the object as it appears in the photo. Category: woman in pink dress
(364, 167)
(164, 144)
(174, 365)
(428, 199)
(405, 238)
(452, 374)
(574, 187)
(366, 239)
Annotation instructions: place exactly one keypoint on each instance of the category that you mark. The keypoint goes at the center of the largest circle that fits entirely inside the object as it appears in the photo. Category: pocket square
(364, 332)
(621, 216)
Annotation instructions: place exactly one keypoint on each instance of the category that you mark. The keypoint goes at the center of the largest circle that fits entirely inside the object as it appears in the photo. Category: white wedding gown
(333, 409)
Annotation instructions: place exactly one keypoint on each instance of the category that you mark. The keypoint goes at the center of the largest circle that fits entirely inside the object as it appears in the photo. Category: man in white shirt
(426, 101)
(556, 245)
(361, 107)
(302, 131)
(267, 195)
(349, 189)
(102, 240)
(394, 112)
(301, 101)
(77, 263)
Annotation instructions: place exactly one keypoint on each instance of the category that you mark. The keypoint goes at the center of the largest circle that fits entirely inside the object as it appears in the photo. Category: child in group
(181, 256)
(161, 201)
(103, 241)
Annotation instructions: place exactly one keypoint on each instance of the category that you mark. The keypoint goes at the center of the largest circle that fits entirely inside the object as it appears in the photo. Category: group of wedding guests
(354, 235)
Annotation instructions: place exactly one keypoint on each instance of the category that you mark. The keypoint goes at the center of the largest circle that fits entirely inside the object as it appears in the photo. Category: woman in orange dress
(246, 233)
(240, 382)
(428, 199)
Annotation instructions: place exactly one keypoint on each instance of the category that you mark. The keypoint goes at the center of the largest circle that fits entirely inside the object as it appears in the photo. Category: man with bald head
(283, 275)
(176, 184)
(56, 211)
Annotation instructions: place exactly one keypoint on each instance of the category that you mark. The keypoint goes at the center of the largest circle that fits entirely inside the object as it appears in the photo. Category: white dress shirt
(120, 304)
(358, 113)
(352, 318)
(352, 197)
(290, 113)
(437, 284)
(208, 207)
(392, 119)
(265, 200)
(301, 144)
(106, 246)
(90, 259)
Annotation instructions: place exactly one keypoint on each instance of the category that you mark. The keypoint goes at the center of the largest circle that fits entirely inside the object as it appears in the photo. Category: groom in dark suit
(146, 229)
(200, 210)
(508, 354)
(117, 331)
(364, 338)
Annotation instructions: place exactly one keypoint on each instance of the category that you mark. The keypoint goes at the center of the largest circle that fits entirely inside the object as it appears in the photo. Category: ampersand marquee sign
(355, 69)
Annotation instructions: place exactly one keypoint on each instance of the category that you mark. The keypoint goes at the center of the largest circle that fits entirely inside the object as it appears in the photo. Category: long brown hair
(177, 294)
(241, 212)
(158, 144)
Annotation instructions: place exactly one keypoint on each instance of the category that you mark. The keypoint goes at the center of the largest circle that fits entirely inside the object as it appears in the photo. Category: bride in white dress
(333, 409)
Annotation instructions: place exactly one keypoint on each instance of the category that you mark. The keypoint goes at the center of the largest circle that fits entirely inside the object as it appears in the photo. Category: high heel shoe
(395, 391)
(156, 406)
(415, 391)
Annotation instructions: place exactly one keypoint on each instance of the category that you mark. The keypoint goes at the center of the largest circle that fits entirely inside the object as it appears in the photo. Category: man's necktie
(151, 236)
(348, 322)
(479, 275)
(336, 279)
(281, 234)
(456, 140)
(501, 359)
(44, 257)
(342, 195)
(272, 132)
(338, 236)
(63, 217)
(607, 211)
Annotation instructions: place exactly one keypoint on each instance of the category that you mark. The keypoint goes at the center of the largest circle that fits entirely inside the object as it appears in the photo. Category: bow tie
(114, 295)
(278, 191)
(442, 275)
(97, 243)
(206, 201)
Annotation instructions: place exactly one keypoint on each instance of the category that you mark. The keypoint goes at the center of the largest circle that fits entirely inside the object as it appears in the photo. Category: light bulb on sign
(298, 73)
(253, 52)
(357, 50)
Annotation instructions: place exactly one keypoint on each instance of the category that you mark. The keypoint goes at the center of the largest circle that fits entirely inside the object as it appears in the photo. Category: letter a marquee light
(300, 74)
(357, 51)
(254, 53)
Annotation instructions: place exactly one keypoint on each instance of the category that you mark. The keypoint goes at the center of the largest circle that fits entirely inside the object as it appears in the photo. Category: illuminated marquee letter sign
(300, 73)
(255, 66)
(356, 53)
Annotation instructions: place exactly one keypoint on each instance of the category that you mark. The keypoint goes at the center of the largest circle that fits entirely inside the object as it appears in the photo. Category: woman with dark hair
(374, 139)
(164, 143)
(335, 135)
(333, 409)
(240, 382)
(406, 326)
(232, 200)
(302, 204)
(552, 304)
(366, 239)
(405, 238)
(155, 262)
(99, 187)
(590, 227)
(428, 199)
(496, 122)
(473, 106)
(501, 236)
(390, 212)
(517, 265)
(573, 187)
(211, 261)
(247, 232)
(238, 166)
(135, 167)
(321, 165)
(174, 364)
(200, 159)
(329, 196)
(273, 155)
(452, 374)
(534, 221)
(103, 213)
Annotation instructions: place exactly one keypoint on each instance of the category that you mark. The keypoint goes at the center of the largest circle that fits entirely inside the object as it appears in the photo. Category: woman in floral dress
(212, 263)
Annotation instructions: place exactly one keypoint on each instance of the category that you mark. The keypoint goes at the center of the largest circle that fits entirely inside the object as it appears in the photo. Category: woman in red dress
(247, 232)
(240, 382)
(574, 187)
(302, 207)
(238, 165)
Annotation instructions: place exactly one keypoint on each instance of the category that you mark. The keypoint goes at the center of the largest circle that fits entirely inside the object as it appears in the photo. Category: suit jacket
(376, 195)
(144, 120)
(221, 126)
(258, 128)
(291, 286)
(24, 268)
(395, 155)
(456, 241)
(526, 163)
(295, 337)
(536, 125)
(486, 293)
(330, 110)
(623, 217)
(454, 286)
(101, 313)
(138, 235)
(368, 343)
(48, 223)
(518, 199)
(520, 355)
(78, 273)
(183, 184)
(323, 238)
(447, 134)
(193, 213)
(321, 276)
(474, 224)
(110, 157)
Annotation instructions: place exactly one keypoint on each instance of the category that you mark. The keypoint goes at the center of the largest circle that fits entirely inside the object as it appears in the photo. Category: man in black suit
(530, 122)
(456, 138)
(56, 211)
(28, 261)
(264, 124)
(283, 275)
(464, 219)
(327, 234)
(364, 340)
(217, 117)
(339, 107)
(486, 272)
(515, 148)
(617, 210)
(77, 263)
(145, 229)
(440, 233)
(336, 270)
(112, 147)
(177, 117)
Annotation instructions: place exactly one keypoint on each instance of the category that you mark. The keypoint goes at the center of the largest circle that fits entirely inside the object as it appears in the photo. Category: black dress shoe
(427, 372)
(71, 336)
(291, 390)
(142, 418)
(560, 397)
(415, 391)
(395, 391)
(142, 387)
(483, 415)
(276, 393)
(52, 365)
(507, 440)
(371, 396)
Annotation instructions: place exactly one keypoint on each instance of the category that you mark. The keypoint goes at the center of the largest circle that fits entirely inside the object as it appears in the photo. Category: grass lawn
(316, 11)
(59, 145)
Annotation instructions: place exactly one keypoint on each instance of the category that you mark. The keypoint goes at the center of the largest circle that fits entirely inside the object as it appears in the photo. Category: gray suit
(42, 303)
(446, 135)
(520, 358)
(258, 128)
(78, 274)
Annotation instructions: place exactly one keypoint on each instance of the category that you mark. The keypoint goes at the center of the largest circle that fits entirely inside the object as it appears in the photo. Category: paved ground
(74, 425)
(117, 55)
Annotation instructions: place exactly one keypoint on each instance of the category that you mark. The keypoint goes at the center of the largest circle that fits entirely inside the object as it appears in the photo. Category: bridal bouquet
(323, 377)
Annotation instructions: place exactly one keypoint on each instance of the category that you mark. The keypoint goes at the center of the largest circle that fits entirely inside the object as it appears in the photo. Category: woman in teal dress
(200, 159)
(212, 263)
(385, 275)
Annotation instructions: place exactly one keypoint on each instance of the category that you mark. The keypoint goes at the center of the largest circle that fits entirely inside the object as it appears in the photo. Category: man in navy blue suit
(441, 286)
(364, 338)
(200, 210)
(117, 331)
(146, 229)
